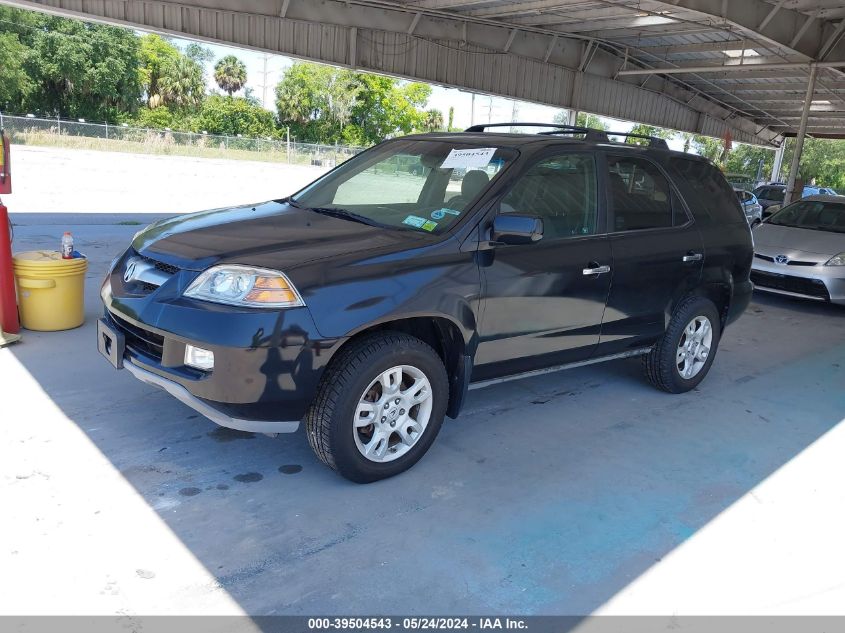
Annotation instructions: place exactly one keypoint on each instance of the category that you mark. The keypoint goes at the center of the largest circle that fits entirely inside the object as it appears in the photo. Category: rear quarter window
(710, 195)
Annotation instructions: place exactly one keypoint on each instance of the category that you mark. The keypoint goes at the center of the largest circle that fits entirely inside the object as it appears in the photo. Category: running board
(549, 370)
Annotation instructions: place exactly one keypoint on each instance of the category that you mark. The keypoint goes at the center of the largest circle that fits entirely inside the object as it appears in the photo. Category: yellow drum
(50, 290)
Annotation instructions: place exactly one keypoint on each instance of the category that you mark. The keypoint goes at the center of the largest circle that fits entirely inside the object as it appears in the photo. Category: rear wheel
(681, 359)
(379, 407)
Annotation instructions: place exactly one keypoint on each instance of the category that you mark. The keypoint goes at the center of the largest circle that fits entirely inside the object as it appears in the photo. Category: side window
(710, 194)
(640, 195)
(561, 190)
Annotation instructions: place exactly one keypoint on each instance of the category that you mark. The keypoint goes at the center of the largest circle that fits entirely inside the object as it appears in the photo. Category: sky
(267, 70)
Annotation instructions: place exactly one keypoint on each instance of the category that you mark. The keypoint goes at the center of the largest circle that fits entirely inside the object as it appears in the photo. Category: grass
(166, 145)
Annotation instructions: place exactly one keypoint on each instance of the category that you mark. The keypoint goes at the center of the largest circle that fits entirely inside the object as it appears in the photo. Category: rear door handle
(598, 270)
(692, 257)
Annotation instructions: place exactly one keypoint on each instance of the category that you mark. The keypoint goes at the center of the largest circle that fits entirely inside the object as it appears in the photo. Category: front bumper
(215, 415)
(267, 364)
(819, 282)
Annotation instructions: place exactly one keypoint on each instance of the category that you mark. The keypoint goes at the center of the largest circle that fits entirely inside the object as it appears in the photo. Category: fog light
(199, 358)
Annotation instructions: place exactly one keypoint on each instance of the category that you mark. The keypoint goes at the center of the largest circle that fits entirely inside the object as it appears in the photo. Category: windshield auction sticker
(414, 220)
(439, 214)
(469, 158)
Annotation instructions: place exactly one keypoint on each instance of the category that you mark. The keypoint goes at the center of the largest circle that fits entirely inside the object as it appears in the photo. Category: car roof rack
(590, 134)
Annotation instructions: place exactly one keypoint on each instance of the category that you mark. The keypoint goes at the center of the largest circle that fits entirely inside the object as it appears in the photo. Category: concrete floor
(585, 491)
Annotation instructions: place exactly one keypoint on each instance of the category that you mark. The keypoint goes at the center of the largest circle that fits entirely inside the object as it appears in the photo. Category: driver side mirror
(514, 228)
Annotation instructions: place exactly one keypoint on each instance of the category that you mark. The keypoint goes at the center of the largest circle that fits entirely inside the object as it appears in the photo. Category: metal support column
(799, 140)
(778, 161)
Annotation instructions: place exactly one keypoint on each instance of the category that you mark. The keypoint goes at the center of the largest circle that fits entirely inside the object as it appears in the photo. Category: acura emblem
(782, 259)
(129, 273)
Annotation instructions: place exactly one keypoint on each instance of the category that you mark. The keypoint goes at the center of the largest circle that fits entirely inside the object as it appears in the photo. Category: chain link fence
(28, 130)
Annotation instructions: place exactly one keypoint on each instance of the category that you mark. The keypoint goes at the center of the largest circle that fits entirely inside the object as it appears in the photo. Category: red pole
(8, 303)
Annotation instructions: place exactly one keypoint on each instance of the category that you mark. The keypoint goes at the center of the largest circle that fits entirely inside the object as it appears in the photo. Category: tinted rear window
(712, 195)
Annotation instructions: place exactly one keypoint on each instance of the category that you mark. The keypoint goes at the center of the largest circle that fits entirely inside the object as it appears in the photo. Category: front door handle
(598, 270)
(692, 257)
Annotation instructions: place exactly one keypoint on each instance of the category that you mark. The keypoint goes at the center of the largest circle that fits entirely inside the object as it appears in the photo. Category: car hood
(771, 237)
(271, 234)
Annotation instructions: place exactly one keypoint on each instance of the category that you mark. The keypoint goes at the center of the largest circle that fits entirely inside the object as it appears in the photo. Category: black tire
(661, 365)
(329, 421)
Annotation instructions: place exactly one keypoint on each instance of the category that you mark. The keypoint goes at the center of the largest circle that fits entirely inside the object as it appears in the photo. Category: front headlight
(838, 260)
(246, 286)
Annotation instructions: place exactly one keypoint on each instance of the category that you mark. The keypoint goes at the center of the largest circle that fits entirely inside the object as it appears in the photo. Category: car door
(543, 302)
(657, 253)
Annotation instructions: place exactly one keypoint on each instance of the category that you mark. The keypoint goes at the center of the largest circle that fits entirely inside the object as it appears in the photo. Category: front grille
(799, 263)
(170, 269)
(139, 287)
(787, 283)
(140, 339)
(791, 262)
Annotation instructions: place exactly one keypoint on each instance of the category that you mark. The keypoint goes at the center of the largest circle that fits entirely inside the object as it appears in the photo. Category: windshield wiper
(345, 214)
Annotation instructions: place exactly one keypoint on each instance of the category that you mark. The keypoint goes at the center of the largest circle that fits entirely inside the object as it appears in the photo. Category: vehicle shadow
(547, 496)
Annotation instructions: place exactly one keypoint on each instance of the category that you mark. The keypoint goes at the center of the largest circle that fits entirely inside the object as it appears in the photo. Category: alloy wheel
(392, 413)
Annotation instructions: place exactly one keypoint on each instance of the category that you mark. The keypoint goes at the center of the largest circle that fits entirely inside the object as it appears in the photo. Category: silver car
(800, 250)
(751, 207)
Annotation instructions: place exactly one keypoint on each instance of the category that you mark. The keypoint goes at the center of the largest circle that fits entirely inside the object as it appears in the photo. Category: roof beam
(738, 68)
(702, 47)
(776, 24)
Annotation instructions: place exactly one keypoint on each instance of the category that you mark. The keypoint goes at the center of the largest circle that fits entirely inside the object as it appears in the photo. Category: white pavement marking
(107, 552)
(776, 551)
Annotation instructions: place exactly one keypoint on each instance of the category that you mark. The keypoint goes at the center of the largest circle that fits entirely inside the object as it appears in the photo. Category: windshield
(419, 185)
(812, 214)
(776, 195)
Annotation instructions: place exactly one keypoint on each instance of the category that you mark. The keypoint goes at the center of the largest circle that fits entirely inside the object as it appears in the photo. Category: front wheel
(681, 359)
(379, 406)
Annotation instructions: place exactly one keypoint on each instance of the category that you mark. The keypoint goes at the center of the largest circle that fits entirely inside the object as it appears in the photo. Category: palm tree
(433, 120)
(182, 84)
(230, 74)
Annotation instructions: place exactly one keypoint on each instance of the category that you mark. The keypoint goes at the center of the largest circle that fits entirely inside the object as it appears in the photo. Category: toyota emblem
(782, 259)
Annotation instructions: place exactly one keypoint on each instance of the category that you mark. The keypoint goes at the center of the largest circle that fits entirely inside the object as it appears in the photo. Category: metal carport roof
(701, 66)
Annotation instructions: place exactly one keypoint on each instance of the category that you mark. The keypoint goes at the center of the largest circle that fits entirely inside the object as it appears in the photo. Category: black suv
(369, 302)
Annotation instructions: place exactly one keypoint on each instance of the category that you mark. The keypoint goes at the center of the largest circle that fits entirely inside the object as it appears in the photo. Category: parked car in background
(800, 250)
(750, 206)
(772, 195)
(368, 303)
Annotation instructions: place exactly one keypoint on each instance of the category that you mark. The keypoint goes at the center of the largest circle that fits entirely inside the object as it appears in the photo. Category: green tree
(648, 130)
(234, 115)
(155, 55)
(199, 53)
(591, 121)
(709, 147)
(341, 91)
(451, 127)
(230, 74)
(325, 105)
(745, 159)
(15, 84)
(182, 84)
(822, 161)
(582, 120)
(433, 120)
(81, 69)
(160, 117)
